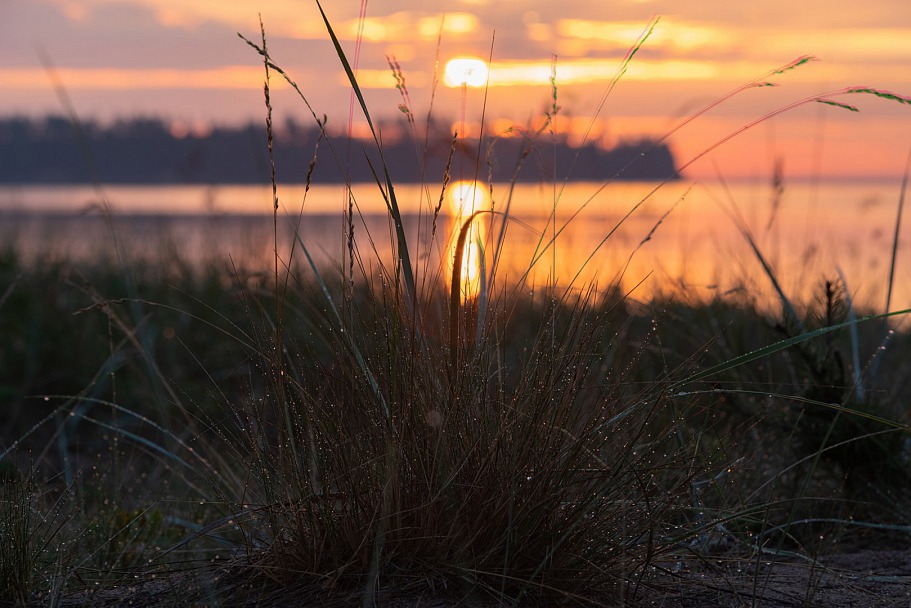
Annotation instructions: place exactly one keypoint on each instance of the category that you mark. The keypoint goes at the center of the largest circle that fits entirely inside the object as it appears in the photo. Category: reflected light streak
(465, 198)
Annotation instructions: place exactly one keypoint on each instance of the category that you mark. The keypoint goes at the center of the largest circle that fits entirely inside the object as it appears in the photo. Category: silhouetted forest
(146, 151)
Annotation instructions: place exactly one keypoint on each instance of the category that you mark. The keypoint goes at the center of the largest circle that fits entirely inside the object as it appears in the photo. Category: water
(695, 249)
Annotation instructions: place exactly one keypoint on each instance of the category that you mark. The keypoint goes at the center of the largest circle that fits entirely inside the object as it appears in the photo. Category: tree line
(53, 150)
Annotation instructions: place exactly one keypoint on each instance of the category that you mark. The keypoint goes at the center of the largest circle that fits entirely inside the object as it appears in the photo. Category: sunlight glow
(513, 73)
(583, 71)
(468, 71)
(467, 197)
(464, 198)
(471, 266)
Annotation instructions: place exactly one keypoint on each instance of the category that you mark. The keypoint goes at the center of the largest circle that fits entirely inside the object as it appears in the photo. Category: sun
(465, 71)
(466, 197)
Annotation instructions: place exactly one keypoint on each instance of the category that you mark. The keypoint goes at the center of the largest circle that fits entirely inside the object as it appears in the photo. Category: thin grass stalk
(348, 339)
(552, 118)
(390, 465)
(277, 356)
(144, 341)
(406, 108)
(821, 98)
(348, 209)
(423, 154)
(859, 391)
(898, 224)
(321, 123)
(403, 259)
(624, 65)
(640, 41)
(790, 313)
(777, 347)
(483, 292)
(314, 466)
(874, 370)
(802, 492)
(455, 290)
(563, 444)
(17, 559)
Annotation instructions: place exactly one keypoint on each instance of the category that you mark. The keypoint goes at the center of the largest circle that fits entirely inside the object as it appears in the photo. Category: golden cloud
(668, 33)
(228, 77)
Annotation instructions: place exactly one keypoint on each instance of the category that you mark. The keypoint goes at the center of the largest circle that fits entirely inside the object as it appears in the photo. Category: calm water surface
(682, 238)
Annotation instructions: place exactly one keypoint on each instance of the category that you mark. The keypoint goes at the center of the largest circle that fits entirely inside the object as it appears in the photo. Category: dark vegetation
(144, 408)
(50, 151)
(369, 433)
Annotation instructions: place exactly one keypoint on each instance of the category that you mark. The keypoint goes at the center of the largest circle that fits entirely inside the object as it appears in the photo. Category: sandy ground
(865, 578)
(856, 579)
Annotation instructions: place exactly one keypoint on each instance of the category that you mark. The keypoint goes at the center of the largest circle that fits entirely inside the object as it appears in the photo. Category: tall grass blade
(779, 346)
(898, 225)
(717, 144)
(790, 313)
(859, 391)
(902, 99)
(404, 260)
(840, 409)
(874, 368)
(455, 288)
(349, 341)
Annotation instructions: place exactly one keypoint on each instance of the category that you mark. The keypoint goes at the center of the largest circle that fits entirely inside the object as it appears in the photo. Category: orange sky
(183, 61)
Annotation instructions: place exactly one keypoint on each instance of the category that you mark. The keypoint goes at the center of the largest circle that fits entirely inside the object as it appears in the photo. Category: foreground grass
(561, 459)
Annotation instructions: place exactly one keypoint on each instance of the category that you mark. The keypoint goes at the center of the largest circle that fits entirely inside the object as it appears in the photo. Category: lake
(808, 233)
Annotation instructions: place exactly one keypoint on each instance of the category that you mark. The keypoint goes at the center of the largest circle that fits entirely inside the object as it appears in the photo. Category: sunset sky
(183, 62)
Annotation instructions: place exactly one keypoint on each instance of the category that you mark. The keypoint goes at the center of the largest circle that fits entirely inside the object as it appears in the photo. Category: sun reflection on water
(464, 199)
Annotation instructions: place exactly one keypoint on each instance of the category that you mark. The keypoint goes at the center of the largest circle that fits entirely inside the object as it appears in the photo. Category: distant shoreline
(737, 179)
(146, 152)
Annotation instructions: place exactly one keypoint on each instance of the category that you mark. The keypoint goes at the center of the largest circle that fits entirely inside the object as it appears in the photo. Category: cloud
(126, 47)
(94, 34)
(881, 44)
(671, 36)
(114, 79)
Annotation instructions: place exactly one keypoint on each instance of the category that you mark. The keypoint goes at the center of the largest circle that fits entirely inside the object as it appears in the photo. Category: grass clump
(559, 462)
(400, 452)
(529, 470)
